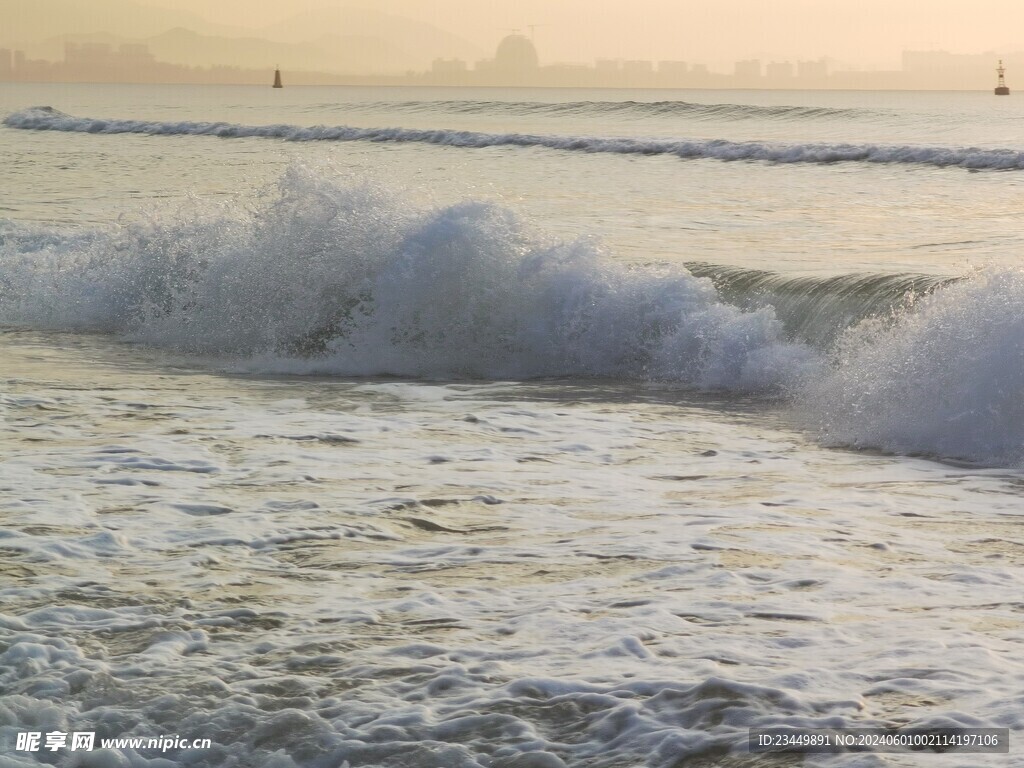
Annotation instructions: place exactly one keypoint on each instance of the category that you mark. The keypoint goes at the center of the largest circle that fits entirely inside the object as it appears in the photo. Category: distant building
(19, 61)
(608, 65)
(515, 63)
(673, 68)
(812, 70)
(102, 56)
(88, 55)
(636, 67)
(748, 70)
(6, 61)
(136, 55)
(779, 70)
(938, 61)
(516, 54)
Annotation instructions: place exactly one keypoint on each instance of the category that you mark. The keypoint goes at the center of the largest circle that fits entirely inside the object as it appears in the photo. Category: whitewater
(415, 446)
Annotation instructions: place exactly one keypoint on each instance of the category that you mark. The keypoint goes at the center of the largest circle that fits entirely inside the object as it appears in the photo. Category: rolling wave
(49, 119)
(817, 310)
(341, 277)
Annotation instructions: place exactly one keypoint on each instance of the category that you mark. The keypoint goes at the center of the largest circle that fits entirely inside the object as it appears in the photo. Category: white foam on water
(945, 379)
(413, 574)
(347, 278)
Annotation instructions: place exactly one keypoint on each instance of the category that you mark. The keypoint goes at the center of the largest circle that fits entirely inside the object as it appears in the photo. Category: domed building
(516, 53)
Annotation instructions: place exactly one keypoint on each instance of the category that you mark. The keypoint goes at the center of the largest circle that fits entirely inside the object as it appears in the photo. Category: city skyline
(407, 35)
(401, 43)
(517, 62)
(864, 34)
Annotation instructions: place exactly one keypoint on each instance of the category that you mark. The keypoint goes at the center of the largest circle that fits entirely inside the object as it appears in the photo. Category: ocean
(482, 428)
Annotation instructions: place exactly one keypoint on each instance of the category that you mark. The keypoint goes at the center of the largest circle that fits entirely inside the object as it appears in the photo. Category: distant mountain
(341, 40)
(27, 22)
(419, 42)
(348, 54)
(344, 54)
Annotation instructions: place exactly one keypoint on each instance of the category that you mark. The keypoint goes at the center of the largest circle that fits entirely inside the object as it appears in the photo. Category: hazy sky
(859, 32)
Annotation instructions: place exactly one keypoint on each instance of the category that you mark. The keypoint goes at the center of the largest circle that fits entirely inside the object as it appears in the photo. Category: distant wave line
(49, 119)
(646, 108)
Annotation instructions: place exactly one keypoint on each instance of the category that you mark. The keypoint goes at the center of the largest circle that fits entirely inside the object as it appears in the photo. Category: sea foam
(348, 278)
(945, 379)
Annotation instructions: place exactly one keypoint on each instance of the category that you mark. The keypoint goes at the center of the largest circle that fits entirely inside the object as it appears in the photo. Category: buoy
(1001, 89)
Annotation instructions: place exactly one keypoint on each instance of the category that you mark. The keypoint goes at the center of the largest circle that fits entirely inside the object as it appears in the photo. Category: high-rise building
(812, 70)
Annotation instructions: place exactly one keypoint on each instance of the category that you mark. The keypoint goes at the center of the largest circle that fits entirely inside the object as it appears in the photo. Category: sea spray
(946, 379)
(348, 278)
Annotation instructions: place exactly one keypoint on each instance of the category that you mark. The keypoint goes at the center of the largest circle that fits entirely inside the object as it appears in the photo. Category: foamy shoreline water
(459, 574)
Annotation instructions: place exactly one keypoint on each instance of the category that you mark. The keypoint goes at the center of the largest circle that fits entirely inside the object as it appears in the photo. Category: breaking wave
(331, 276)
(946, 379)
(351, 279)
(49, 119)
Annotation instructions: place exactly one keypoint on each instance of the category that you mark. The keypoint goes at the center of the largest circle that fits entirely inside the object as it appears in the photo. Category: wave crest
(626, 108)
(49, 119)
(350, 279)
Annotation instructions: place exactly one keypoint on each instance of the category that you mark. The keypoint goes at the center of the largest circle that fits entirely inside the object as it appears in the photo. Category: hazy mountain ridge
(348, 40)
(400, 30)
(26, 23)
(342, 54)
